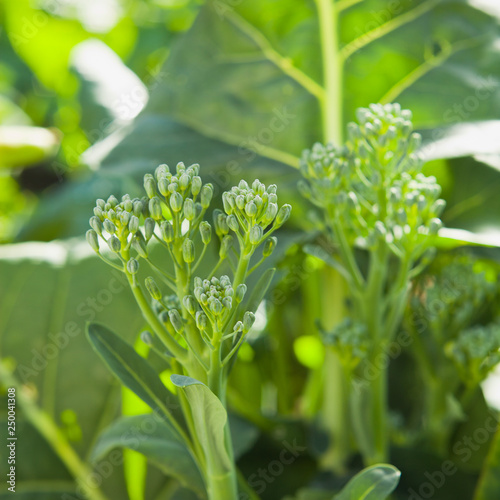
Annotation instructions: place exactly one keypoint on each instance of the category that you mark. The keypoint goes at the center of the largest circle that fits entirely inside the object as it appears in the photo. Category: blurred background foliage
(95, 93)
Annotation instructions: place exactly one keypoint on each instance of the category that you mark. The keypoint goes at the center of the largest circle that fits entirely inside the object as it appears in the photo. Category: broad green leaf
(210, 418)
(373, 483)
(68, 210)
(151, 436)
(245, 93)
(47, 293)
(135, 466)
(134, 372)
(25, 146)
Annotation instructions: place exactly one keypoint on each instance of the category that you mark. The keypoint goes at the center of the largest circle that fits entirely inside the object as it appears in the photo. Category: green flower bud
(220, 223)
(112, 215)
(133, 266)
(189, 209)
(152, 288)
(128, 205)
(241, 290)
(269, 246)
(248, 321)
(188, 250)
(167, 231)
(125, 218)
(190, 304)
(109, 226)
(184, 181)
(435, 225)
(155, 208)
(206, 194)
(176, 202)
(226, 244)
(438, 207)
(256, 234)
(93, 240)
(283, 214)
(238, 327)
(138, 208)
(201, 320)
(216, 306)
(139, 245)
(196, 185)
(147, 338)
(205, 232)
(251, 209)
(99, 213)
(240, 202)
(149, 185)
(162, 171)
(112, 201)
(176, 320)
(100, 203)
(163, 187)
(96, 224)
(149, 228)
(232, 223)
(114, 244)
(270, 214)
(228, 202)
(133, 225)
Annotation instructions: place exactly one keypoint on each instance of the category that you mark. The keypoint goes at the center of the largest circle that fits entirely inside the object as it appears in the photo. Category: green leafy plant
(198, 327)
(455, 342)
(374, 197)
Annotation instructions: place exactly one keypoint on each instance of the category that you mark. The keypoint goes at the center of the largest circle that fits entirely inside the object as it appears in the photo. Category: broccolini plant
(197, 323)
(455, 341)
(381, 213)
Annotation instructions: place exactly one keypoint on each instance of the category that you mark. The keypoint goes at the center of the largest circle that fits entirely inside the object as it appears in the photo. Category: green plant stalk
(222, 484)
(332, 108)
(44, 424)
(335, 415)
(336, 391)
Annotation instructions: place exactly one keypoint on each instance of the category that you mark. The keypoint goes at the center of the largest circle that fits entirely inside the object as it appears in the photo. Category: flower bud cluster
(373, 185)
(117, 222)
(449, 296)
(214, 302)
(249, 211)
(351, 340)
(173, 208)
(475, 352)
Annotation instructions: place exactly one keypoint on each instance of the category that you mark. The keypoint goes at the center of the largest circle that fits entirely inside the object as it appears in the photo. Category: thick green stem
(335, 415)
(222, 484)
(332, 109)
(380, 434)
